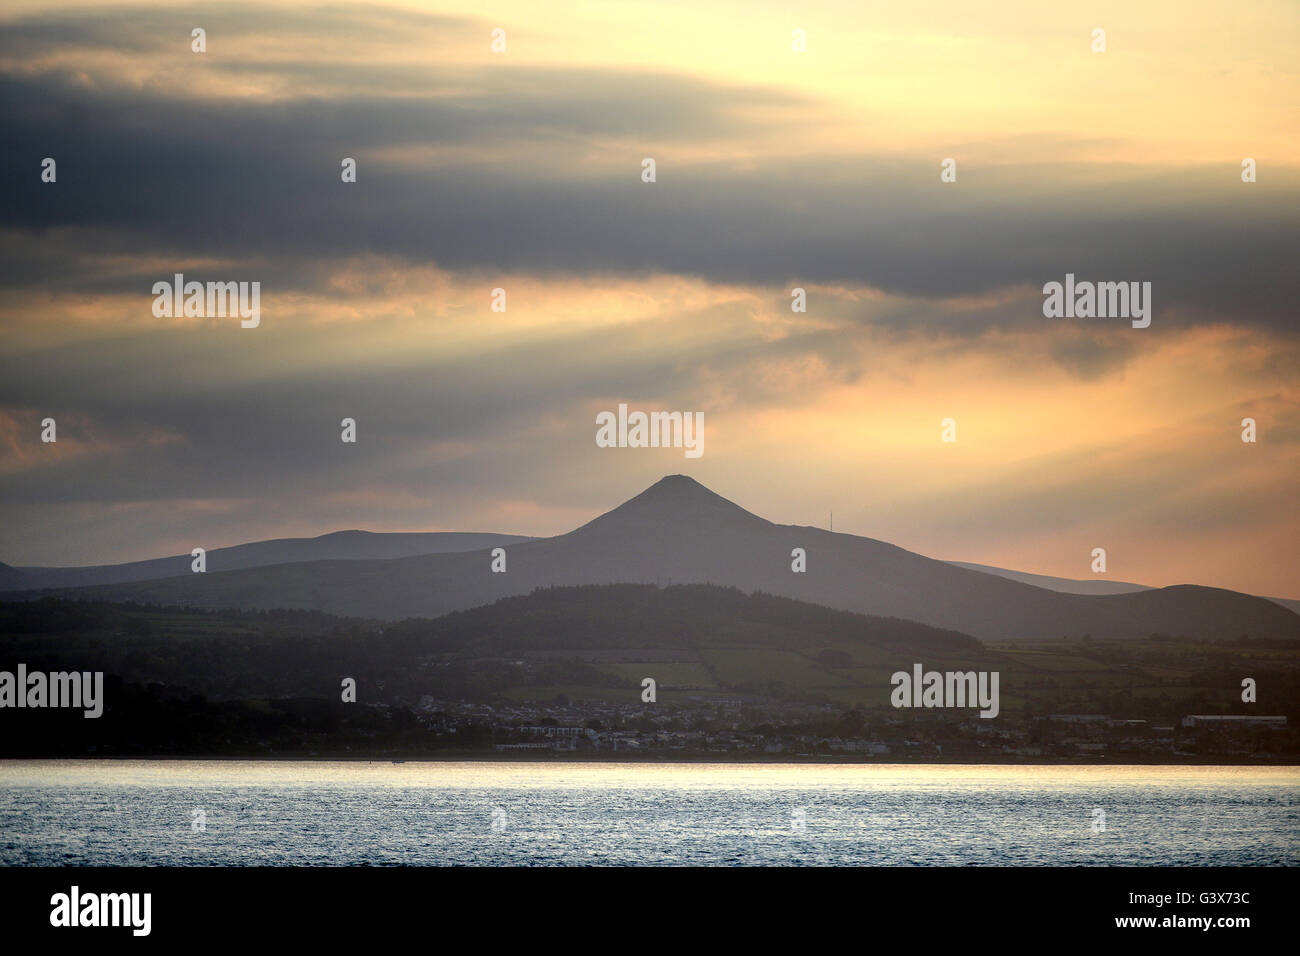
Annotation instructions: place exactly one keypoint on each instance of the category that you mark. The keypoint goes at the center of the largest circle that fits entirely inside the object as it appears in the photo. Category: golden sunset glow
(776, 169)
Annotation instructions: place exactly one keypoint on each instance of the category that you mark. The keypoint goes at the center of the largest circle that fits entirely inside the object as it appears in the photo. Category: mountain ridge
(350, 544)
(678, 531)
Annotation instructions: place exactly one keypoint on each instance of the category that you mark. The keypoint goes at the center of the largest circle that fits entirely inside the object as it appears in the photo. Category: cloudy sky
(775, 169)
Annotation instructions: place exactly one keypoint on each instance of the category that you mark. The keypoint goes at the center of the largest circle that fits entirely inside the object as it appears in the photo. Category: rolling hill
(1065, 585)
(1076, 586)
(338, 546)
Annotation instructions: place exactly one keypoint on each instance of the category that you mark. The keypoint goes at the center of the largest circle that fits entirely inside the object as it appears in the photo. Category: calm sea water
(475, 813)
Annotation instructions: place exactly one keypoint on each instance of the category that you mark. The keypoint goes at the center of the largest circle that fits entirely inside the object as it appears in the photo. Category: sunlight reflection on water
(141, 812)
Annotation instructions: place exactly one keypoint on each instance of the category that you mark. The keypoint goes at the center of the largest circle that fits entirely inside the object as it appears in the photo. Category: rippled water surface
(334, 812)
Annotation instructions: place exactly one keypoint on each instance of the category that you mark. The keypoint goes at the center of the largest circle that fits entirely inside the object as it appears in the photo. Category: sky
(774, 169)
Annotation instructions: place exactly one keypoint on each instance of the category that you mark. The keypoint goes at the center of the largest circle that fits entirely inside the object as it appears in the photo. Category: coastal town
(724, 727)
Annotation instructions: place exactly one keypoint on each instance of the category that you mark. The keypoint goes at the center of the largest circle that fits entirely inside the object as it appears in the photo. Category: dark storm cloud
(258, 180)
(131, 29)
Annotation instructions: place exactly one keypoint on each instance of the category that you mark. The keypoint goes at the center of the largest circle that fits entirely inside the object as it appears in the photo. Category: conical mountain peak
(676, 500)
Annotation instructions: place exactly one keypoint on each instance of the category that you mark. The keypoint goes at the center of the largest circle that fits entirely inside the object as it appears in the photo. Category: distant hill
(11, 579)
(678, 531)
(1076, 586)
(338, 546)
(1064, 585)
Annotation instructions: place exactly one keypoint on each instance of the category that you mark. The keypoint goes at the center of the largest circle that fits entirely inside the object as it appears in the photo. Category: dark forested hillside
(186, 681)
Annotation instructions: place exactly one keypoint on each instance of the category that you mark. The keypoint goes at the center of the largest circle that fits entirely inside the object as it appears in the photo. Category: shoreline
(792, 760)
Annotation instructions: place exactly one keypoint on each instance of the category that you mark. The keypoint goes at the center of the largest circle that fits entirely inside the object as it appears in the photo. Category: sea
(515, 813)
